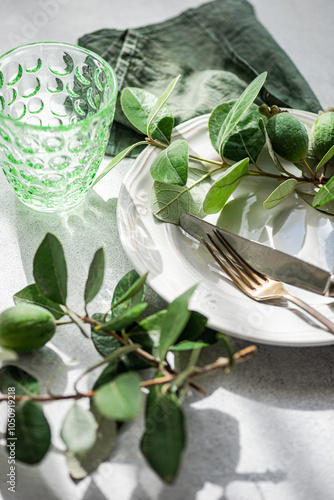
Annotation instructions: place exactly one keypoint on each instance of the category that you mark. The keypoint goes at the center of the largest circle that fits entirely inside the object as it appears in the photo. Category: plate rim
(141, 160)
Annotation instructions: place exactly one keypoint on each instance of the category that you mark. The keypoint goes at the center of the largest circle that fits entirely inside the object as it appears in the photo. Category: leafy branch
(238, 132)
(134, 351)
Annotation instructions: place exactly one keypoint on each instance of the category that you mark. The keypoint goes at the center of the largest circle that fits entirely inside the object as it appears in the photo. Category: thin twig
(308, 168)
(220, 364)
(141, 352)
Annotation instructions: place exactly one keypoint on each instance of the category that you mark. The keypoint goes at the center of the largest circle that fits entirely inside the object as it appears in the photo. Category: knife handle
(330, 288)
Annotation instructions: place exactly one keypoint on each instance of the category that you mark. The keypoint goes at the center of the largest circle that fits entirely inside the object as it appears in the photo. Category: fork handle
(309, 309)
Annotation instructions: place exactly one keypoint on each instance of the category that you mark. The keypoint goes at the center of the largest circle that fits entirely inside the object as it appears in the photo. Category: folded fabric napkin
(218, 48)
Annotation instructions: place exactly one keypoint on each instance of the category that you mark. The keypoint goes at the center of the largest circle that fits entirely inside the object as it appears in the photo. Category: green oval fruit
(288, 136)
(26, 327)
(322, 134)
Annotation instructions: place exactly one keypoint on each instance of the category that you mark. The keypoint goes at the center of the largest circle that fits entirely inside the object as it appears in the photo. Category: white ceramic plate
(176, 262)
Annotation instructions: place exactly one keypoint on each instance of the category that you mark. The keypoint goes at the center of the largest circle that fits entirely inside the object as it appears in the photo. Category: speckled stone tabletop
(265, 431)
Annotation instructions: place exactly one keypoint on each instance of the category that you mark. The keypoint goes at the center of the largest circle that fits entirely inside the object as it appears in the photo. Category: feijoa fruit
(288, 136)
(322, 134)
(26, 327)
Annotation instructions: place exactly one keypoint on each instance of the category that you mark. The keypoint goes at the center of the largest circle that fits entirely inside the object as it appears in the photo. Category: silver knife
(274, 263)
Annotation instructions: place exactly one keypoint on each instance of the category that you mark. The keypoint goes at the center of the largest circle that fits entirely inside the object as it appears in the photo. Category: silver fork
(256, 285)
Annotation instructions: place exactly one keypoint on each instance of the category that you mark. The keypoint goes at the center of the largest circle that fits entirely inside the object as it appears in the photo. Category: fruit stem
(269, 112)
(308, 168)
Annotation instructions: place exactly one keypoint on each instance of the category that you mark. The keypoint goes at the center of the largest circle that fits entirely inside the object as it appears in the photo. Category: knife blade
(274, 263)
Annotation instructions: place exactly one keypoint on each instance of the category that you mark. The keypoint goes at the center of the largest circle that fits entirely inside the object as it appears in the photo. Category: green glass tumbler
(57, 104)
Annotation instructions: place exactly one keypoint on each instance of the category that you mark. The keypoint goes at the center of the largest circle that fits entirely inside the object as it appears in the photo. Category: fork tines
(253, 283)
(230, 261)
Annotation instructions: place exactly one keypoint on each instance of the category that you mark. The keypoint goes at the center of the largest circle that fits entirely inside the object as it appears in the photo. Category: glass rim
(85, 121)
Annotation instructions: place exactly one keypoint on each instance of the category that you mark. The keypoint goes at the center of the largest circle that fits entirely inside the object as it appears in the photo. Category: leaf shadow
(94, 492)
(71, 228)
(246, 215)
(292, 226)
(42, 364)
(81, 231)
(37, 487)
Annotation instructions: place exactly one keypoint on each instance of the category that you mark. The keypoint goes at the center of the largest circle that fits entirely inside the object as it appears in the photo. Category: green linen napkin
(218, 48)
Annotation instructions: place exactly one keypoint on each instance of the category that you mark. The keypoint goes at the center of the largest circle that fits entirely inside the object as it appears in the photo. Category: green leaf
(50, 270)
(164, 439)
(106, 344)
(147, 331)
(79, 430)
(240, 108)
(169, 201)
(112, 358)
(222, 189)
(325, 194)
(112, 369)
(129, 291)
(228, 346)
(308, 197)
(325, 158)
(209, 336)
(175, 320)
(80, 466)
(124, 349)
(32, 432)
(189, 345)
(32, 295)
(120, 399)
(103, 341)
(137, 105)
(152, 323)
(171, 165)
(151, 326)
(127, 318)
(133, 361)
(116, 160)
(280, 193)
(194, 328)
(161, 101)
(246, 140)
(95, 276)
(24, 383)
(182, 379)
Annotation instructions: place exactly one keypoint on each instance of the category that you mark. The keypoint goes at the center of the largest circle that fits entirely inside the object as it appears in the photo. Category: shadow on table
(295, 378)
(81, 230)
(286, 377)
(212, 456)
(32, 485)
(93, 492)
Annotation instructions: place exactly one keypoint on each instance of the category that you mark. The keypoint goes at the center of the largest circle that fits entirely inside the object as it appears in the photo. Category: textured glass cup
(57, 103)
